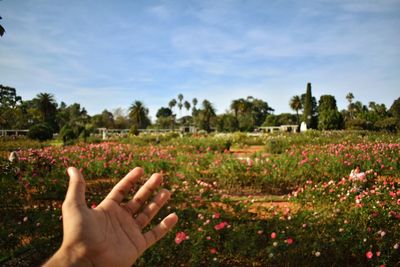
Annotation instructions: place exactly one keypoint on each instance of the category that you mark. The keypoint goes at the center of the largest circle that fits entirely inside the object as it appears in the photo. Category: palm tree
(187, 105)
(194, 102)
(180, 104)
(180, 98)
(235, 106)
(138, 114)
(47, 106)
(172, 103)
(208, 112)
(350, 98)
(295, 104)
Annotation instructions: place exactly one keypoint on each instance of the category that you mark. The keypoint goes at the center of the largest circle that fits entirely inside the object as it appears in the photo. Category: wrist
(67, 257)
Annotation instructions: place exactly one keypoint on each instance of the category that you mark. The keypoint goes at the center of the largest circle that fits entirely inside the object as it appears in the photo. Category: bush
(67, 134)
(40, 132)
(134, 130)
(277, 146)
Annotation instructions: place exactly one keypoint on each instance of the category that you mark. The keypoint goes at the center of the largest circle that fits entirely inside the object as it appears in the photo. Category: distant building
(282, 128)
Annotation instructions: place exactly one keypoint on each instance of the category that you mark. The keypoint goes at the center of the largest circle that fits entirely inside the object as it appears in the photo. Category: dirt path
(245, 151)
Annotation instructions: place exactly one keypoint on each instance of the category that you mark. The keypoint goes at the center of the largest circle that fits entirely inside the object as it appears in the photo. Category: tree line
(43, 113)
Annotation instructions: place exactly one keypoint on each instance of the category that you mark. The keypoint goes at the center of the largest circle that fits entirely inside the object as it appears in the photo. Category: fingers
(76, 187)
(119, 191)
(148, 213)
(144, 193)
(160, 229)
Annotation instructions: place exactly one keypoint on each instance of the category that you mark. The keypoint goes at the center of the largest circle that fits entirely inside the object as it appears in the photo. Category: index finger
(119, 191)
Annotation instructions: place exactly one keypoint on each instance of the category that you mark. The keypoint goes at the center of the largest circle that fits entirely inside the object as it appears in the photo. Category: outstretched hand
(112, 233)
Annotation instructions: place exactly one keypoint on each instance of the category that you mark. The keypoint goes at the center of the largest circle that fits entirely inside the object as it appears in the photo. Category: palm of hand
(111, 234)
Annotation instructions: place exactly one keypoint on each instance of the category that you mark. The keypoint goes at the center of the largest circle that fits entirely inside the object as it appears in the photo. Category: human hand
(110, 234)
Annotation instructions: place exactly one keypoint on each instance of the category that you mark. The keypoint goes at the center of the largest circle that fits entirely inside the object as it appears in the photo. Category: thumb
(76, 187)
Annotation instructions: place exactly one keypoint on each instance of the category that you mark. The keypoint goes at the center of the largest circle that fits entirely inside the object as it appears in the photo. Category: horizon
(105, 56)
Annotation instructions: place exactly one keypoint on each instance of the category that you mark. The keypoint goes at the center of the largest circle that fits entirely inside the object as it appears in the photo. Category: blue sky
(106, 54)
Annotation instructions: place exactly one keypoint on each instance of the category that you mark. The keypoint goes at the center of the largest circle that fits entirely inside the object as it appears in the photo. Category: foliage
(250, 112)
(68, 135)
(8, 102)
(227, 123)
(40, 132)
(138, 115)
(308, 107)
(395, 111)
(47, 106)
(296, 105)
(325, 220)
(281, 119)
(329, 118)
(206, 115)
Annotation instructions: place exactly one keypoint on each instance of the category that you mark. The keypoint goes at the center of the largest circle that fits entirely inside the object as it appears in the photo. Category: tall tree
(172, 103)
(47, 106)
(259, 110)
(350, 98)
(235, 106)
(120, 119)
(138, 115)
(308, 107)
(107, 120)
(187, 105)
(227, 123)
(329, 116)
(164, 112)
(8, 106)
(295, 104)
(194, 104)
(395, 109)
(180, 104)
(395, 112)
(207, 113)
(250, 112)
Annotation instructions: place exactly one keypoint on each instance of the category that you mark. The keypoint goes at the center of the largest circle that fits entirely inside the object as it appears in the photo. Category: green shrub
(67, 135)
(276, 146)
(40, 132)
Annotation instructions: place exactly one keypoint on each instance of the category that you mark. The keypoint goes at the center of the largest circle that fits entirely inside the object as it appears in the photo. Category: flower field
(289, 203)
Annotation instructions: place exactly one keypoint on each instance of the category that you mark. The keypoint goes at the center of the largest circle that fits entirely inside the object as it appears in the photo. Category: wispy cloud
(106, 55)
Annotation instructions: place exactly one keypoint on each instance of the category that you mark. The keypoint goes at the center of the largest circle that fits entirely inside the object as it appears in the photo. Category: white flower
(396, 246)
(317, 254)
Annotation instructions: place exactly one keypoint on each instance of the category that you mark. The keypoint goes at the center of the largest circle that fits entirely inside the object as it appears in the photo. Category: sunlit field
(270, 200)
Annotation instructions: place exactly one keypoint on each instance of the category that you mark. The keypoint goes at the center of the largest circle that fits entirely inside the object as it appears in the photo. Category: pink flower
(213, 251)
(94, 205)
(369, 254)
(273, 235)
(249, 162)
(220, 226)
(378, 253)
(180, 237)
(216, 215)
(289, 241)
